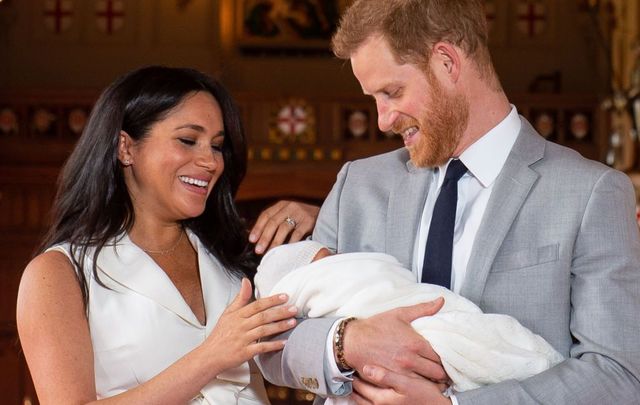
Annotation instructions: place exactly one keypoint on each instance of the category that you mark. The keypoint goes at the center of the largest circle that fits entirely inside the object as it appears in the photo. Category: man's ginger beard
(440, 126)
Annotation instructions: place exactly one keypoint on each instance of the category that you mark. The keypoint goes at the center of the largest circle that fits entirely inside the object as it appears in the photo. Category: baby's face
(322, 253)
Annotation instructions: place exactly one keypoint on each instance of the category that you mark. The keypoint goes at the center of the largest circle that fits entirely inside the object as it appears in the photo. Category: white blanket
(475, 348)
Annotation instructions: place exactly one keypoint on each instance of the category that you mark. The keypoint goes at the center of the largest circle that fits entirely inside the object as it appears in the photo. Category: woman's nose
(207, 158)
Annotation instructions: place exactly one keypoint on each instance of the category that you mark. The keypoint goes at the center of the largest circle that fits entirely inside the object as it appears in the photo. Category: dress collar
(127, 265)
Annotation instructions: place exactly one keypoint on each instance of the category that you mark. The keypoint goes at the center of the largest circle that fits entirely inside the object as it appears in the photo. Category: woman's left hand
(237, 336)
(291, 219)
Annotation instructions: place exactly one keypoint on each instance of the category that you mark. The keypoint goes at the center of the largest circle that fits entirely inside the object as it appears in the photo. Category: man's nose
(386, 118)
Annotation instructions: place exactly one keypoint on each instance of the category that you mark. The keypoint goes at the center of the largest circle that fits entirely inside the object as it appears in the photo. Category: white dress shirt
(484, 160)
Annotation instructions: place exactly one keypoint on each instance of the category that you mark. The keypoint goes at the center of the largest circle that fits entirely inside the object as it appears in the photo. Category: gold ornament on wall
(617, 25)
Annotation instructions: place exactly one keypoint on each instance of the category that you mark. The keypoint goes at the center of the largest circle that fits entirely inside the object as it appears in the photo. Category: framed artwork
(545, 121)
(579, 125)
(287, 24)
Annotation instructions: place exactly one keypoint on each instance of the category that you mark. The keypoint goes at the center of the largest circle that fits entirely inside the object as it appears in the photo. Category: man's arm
(304, 355)
(301, 363)
(605, 319)
(605, 312)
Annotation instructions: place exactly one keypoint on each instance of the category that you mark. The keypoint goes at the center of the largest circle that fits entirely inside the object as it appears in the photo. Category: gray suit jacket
(558, 249)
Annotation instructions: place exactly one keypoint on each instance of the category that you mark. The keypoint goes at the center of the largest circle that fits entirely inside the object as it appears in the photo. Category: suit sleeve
(301, 363)
(604, 363)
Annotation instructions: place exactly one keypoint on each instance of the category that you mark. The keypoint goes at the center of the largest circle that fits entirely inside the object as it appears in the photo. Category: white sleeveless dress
(142, 325)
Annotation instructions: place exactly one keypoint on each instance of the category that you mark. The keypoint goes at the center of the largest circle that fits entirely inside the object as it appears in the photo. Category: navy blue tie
(436, 268)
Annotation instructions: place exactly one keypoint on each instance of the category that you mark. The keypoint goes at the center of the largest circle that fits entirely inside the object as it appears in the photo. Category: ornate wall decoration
(285, 153)
(8, 121)
(42, 120)
(76, 120)
(532, 17)
(357, 124)
(580, 125)
(293, 122)
(110, 15)
(545, 123)
(283, 24)
(58, 15)
(616, 22)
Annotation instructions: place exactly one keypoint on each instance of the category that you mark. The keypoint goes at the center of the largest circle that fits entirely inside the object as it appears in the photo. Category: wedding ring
(291, 222)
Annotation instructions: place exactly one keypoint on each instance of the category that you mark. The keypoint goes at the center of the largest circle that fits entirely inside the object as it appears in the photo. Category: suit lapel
(509, 194)
(406, 203)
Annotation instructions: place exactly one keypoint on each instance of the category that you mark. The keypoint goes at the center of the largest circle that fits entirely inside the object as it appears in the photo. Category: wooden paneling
(11, 366)
(25, 198)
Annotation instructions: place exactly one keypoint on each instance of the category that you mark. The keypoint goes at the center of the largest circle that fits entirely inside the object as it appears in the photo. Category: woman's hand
(236, 337)
(283, 219)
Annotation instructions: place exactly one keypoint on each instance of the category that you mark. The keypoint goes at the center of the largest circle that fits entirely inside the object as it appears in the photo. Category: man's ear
(446, 61)
(125, 145)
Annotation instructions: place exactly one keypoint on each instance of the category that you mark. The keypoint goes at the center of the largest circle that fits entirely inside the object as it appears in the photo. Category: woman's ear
(125, 144)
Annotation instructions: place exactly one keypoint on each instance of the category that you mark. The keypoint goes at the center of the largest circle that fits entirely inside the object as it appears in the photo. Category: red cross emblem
(532, 17)
(292, 120)
(57, 15)
(110, 15)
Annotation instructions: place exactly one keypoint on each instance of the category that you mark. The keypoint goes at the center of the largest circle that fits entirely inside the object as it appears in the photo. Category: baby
(476, 349)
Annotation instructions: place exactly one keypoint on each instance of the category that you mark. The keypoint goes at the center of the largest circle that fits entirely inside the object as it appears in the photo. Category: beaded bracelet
(338, 343)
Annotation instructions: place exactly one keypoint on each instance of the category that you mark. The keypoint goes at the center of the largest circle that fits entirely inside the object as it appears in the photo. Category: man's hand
(379, 386)
(389, 340)
(283, 219)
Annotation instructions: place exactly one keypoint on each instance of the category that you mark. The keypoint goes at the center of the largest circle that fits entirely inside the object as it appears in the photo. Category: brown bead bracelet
(338, 343)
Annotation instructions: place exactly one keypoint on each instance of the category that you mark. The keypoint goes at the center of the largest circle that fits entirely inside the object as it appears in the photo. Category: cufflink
(310, 383)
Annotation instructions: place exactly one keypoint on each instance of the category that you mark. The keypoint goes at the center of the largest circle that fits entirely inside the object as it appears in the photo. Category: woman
(127, 302)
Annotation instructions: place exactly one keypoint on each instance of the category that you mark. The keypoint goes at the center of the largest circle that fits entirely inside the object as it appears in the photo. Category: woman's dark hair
(92, 204)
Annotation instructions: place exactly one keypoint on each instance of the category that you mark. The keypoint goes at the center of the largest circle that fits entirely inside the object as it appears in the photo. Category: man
(540, 233)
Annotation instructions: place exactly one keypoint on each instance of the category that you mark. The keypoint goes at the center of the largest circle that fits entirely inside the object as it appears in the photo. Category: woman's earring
(126, 162)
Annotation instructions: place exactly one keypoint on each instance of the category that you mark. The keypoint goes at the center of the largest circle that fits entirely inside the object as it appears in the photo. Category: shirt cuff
(338, 382)
(454, 400)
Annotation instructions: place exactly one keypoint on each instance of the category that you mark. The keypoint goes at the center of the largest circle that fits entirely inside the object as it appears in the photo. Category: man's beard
(440, 126)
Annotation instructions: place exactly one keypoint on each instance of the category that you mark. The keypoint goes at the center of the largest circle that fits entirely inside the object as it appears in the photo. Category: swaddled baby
(475, 348)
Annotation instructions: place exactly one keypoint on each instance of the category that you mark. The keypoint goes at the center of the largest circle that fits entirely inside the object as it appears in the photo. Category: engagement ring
(292, 222)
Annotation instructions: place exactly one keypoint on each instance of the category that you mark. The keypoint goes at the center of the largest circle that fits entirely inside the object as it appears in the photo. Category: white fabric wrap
(475, 348)
(282, 260)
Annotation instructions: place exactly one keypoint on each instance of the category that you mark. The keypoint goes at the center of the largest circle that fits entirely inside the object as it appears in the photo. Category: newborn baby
(475, 348)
